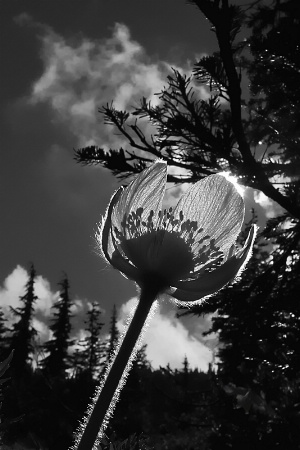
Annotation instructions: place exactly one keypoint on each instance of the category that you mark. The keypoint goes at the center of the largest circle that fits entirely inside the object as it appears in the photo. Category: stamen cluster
(200, 245)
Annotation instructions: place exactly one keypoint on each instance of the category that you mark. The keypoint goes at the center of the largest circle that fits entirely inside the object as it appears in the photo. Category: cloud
(46, 297)
(14, 287)
(81, 75)
(271, 208)
(168, 340)
(44, 333)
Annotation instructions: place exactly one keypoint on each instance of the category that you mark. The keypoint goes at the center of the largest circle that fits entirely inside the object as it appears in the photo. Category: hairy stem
(109, 392)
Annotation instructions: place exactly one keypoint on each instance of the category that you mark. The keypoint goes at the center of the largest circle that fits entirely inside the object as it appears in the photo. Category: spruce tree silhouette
(4, 331)
(113, 334)
(90, 359)
(23, 333)
(57, 359)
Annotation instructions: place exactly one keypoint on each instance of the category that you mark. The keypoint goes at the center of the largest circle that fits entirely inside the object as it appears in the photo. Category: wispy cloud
(81, 75)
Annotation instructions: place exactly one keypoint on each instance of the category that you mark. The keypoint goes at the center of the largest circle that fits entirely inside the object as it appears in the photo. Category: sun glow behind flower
(188, 251)
(235, 181)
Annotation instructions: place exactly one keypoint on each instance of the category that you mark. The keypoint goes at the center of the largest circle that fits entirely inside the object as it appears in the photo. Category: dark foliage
(4, 365)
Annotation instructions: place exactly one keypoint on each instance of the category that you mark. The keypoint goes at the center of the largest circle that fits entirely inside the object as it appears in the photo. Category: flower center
(167, 249)
(160, 254)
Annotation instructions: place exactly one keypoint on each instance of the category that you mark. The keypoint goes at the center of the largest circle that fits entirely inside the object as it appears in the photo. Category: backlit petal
(211, 282)
(145, 191)
(103, 236)
(217, 207)
(107, 243)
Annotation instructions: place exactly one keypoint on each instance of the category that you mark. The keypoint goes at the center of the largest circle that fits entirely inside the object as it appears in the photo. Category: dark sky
(60, 61)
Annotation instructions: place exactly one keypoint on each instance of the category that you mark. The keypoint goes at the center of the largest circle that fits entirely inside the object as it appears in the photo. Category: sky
(60, 62)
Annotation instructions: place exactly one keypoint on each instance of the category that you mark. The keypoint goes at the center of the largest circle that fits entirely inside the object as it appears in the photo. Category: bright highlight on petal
(189, 251)
(234, 181)
(210, 282)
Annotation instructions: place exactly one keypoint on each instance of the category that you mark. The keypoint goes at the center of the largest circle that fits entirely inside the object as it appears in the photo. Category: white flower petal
(103, 236)
(217, 207)
(211, 282)
(107, 244)
(145, 191)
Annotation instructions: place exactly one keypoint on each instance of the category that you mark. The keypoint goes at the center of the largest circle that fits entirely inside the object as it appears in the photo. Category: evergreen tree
(141, 361)
(4, 330)
(185, 365)
(185, 371)
(95, 346)
(258, 318)
(4, 365)
(23, 333)
(139, 365)
(113, 334)
(274, 76)
(58, 359)
(258, 325)
(90, 359)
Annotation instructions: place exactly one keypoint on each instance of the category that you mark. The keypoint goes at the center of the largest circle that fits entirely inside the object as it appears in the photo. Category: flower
(188, 252)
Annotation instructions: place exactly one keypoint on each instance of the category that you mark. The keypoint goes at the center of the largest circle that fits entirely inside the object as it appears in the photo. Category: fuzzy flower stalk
(188, 252)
